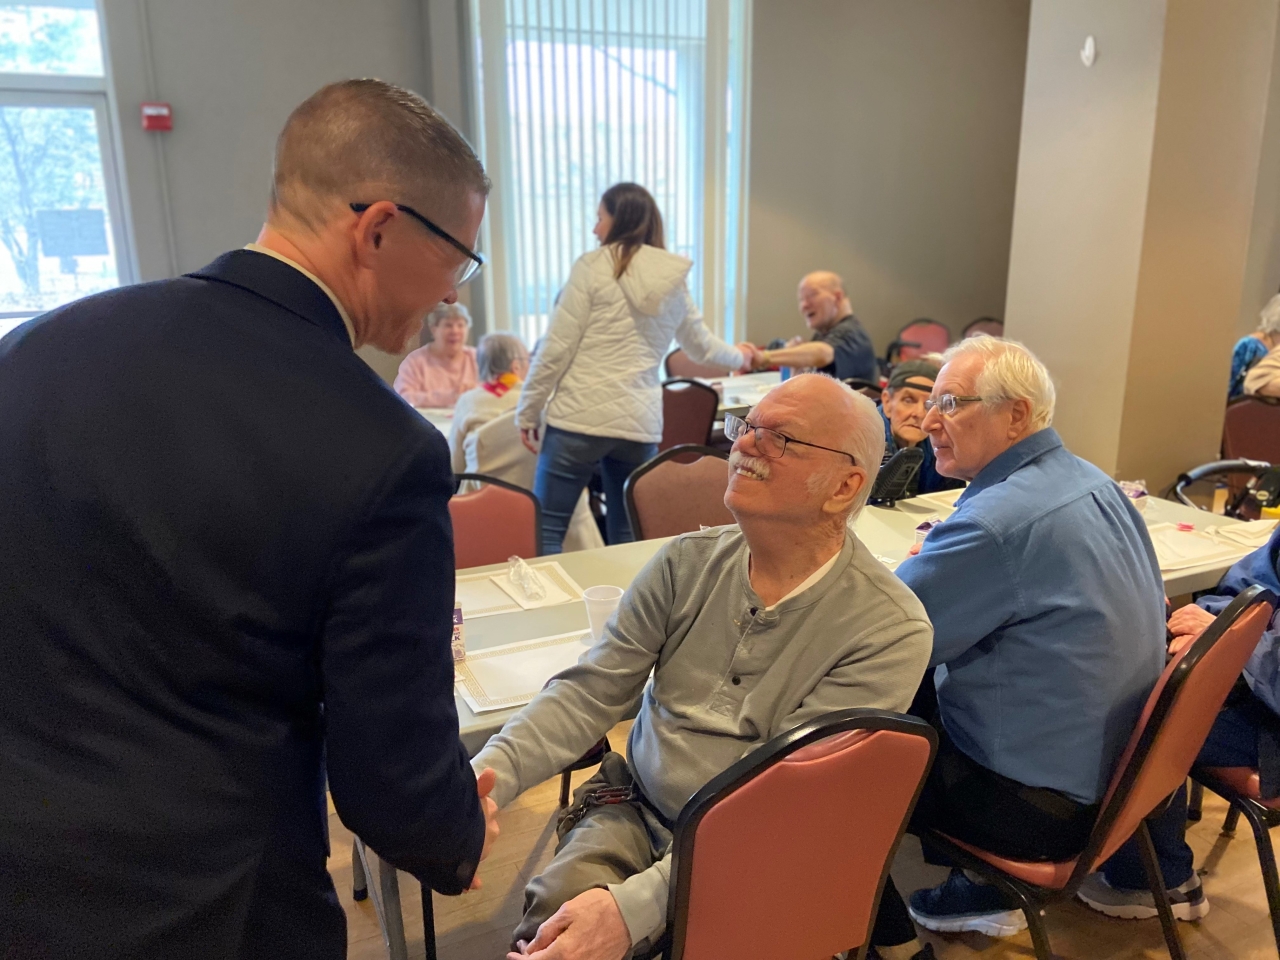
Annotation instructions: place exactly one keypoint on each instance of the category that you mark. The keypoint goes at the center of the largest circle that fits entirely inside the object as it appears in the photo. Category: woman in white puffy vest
(596, 374)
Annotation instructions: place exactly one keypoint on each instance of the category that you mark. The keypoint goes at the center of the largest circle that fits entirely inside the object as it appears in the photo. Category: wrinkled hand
(588, 927)
(529, 437)
(484, 786)
(1186, 624)
(915, 548)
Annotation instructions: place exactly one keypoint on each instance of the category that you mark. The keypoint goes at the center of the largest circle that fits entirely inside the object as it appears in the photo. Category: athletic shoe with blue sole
(959, 905)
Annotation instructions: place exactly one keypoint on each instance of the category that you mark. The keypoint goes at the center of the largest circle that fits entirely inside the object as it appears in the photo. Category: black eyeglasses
(467, 269)
(769, 442)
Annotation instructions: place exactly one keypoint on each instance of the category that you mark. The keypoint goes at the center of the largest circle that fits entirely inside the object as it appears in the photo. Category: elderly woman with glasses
(439, 373)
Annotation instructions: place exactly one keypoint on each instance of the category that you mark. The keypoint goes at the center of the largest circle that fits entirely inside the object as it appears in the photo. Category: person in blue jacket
(1245, 734)
(902, 408)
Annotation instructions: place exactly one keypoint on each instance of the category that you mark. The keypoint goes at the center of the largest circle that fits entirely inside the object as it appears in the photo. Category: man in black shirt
(839, 347)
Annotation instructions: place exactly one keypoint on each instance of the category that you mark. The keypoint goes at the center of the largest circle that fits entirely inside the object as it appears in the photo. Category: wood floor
(478, 926)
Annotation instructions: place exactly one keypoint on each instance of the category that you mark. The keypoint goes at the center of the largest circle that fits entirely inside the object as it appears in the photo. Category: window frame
(79, 91)
(725, 184)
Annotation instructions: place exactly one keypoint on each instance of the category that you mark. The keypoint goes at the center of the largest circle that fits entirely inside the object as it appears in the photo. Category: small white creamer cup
(601, 602)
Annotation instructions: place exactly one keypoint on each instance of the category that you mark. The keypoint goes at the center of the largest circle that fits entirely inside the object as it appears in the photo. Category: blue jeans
(565, 466)
(1232, 742)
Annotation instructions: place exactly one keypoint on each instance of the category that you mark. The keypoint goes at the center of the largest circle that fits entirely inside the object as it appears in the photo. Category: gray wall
(233, 69)
(884, 146)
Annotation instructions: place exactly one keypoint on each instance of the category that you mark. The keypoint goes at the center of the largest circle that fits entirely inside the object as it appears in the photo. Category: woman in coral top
(437, 374)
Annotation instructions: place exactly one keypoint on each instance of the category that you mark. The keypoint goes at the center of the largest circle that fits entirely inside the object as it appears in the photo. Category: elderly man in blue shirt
(1048, 612)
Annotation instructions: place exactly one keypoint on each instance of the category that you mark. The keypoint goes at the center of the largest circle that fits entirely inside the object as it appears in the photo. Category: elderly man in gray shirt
(748, 631)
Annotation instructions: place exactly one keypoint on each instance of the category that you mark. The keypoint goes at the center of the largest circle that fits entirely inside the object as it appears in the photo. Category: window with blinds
(576, 95)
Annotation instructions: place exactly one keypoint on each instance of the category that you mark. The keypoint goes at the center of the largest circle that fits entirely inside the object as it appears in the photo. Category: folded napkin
(1254, 533)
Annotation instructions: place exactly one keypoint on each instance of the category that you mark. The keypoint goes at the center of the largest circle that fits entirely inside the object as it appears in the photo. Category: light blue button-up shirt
(1049, 618)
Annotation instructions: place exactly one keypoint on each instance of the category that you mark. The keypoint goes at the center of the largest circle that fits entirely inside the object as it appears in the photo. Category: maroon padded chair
(678, 491)
(495, 522)
(769, 863)
(1170, 732)
(1251, 429)
(688, 413)
(677, 363)
(918, 338)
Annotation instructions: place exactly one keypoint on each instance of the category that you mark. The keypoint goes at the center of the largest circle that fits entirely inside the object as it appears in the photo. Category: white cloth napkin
(1253, 534)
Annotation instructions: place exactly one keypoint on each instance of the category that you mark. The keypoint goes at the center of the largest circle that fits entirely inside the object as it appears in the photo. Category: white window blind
(576, 95)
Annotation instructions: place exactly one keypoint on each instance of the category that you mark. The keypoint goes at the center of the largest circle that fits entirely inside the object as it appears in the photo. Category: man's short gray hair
(361, 141)
(1269, 319)
(1010, 372)
(497, 354)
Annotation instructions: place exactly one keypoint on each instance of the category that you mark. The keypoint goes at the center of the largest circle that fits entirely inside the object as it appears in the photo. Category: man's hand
(588, 927)
(749, 352)
(761, 360)
(914, 549)
(1186, 624)
(529, 437)
(484, 786)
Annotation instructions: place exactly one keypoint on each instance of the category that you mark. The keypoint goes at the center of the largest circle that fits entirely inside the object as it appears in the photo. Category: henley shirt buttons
(736, 681)
(753, 611)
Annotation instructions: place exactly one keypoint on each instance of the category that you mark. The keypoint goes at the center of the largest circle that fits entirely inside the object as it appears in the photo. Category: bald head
(811, 483)
(822, 299)
(364, 141)
(837, 416)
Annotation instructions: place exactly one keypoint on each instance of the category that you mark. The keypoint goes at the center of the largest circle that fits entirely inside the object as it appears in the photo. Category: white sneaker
(1188, 901)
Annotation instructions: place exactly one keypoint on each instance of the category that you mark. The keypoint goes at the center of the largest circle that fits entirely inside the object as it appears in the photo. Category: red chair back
(784, 855)
(677, 364)
(1252, 429)
(932, 337)
(688, 412)
(1177, 717)
(497, 521)
(668, 495)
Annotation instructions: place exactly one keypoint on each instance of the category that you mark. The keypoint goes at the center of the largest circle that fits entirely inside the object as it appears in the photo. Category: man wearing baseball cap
(902, 407)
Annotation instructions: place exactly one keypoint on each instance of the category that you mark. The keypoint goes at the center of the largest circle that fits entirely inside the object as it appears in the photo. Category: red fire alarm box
(157, 116)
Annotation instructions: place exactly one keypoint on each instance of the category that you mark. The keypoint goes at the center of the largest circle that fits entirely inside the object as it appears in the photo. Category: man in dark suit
(226, 565)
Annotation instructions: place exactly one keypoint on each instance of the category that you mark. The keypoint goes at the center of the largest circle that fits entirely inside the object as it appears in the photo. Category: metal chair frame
(1034, 898)
(1261, 820)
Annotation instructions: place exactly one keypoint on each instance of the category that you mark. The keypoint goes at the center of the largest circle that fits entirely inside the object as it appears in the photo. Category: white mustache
(756, 467)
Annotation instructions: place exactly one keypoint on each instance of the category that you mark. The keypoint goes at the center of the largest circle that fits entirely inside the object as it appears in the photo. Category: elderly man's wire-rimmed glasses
(949, 403)
(467, 269)
(771, 443)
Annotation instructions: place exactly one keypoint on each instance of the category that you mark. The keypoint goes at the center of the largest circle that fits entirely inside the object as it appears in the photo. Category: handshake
(758, 358)
(753, 358)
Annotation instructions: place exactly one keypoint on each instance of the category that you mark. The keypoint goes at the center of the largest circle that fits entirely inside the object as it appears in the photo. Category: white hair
(497, 354)
(866, 442)
(1269, 319)
(1010, 372)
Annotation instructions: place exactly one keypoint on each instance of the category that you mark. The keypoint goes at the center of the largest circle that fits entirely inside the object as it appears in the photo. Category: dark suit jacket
(225, 550)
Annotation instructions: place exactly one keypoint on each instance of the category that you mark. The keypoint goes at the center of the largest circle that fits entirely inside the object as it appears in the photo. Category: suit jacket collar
(276, 281)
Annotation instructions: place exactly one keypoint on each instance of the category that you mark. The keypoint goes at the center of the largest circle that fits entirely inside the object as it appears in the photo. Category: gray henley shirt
(728, 675)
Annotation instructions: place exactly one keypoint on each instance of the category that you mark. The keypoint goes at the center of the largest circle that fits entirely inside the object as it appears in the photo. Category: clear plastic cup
(601, 602)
